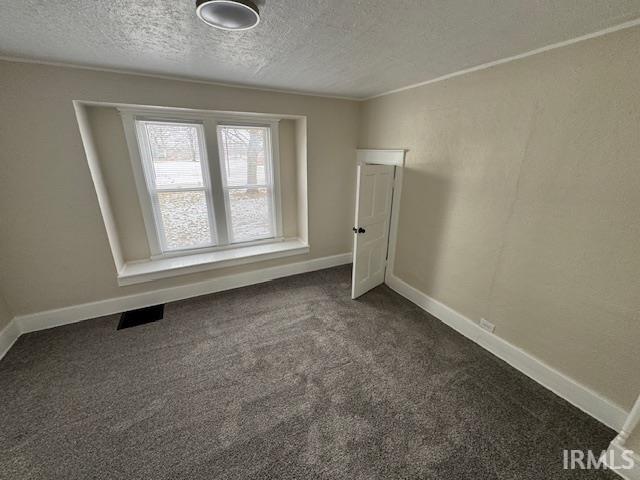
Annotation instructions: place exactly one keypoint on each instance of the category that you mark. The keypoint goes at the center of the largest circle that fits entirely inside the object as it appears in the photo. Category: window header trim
(167, 114)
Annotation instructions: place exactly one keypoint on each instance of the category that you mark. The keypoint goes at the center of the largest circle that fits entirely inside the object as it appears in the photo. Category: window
(247, 182)
(208, 183)
(177, 178)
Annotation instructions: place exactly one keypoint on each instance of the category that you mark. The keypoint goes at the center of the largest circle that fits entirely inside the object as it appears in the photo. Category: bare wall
(634, 442)
(54, 244)
(5, 314)
(521, 202)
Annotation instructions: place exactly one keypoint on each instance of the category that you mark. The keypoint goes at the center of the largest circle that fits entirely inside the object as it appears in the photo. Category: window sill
(149, 270)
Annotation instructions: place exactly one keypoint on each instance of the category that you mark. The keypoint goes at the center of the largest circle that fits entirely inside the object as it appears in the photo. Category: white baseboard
(575, 393)
(77, 313)
(8, 337)
(615, 452)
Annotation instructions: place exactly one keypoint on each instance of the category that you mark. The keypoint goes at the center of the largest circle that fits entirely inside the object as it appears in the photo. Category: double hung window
(207, 183)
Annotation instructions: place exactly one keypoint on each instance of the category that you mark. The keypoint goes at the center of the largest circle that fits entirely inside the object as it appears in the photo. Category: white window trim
(210, 122)
(170, 266)
(144, 198)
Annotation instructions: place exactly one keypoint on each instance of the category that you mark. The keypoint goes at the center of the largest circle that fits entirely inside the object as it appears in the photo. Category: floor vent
(133, 318)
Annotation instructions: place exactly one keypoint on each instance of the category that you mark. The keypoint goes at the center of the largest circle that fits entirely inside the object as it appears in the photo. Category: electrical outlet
(487, 325)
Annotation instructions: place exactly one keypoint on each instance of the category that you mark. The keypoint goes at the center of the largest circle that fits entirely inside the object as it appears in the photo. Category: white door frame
(395, 157)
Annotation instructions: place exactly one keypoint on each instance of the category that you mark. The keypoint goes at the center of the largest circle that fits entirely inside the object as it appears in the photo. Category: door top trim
(381, 157)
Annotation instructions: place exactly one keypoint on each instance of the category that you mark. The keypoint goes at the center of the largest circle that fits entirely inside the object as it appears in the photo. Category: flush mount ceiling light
(228, 14)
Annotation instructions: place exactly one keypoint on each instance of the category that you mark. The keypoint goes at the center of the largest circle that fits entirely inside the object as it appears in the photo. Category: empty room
(319, 239)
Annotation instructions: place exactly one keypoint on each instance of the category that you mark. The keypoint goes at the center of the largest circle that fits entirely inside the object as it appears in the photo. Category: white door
(371, 231)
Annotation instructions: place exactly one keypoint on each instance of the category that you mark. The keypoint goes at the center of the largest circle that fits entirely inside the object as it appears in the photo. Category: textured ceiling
(354, 48)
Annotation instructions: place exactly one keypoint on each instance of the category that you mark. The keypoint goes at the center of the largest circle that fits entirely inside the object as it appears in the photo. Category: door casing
(396, 158)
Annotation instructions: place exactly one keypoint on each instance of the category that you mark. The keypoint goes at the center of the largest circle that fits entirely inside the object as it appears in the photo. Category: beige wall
(113, 154)
(634, 441)
(521, 202)
(5, 313)
(115, 165)
(289, 178)
(54, 244)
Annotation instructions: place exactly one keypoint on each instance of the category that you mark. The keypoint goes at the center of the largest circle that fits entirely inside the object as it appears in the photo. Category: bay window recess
(206, 183)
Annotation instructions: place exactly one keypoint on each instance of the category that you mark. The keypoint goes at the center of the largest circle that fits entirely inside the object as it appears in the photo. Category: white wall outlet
(487, 325)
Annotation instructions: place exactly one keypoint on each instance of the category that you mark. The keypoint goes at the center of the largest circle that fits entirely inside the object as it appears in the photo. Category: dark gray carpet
(284, 380)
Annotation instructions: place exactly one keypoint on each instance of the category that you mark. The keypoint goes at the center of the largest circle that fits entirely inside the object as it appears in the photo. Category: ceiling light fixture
(228, 14)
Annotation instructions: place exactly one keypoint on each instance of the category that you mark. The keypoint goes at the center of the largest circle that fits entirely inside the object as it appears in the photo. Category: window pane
(250, 216)
(245, 157)
(175, 153)
(185, 219)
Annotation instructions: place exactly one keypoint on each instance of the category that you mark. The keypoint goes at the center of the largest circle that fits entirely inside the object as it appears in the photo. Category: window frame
(212, 170)
(153, 190)
(270, 176)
